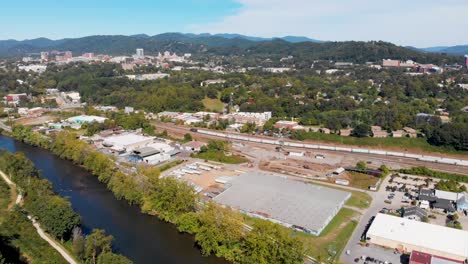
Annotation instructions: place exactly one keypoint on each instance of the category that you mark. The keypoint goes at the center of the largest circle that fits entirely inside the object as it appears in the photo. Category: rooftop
(424, 235)
(291, 202)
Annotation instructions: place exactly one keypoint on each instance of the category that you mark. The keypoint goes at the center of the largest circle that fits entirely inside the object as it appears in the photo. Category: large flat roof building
(291, 203)
(408, 235)
(128, 142)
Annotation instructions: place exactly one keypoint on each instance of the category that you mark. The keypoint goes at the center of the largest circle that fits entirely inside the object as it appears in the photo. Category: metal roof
(291, 202)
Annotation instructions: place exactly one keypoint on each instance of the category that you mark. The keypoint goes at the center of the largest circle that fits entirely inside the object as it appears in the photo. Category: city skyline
(416, 23)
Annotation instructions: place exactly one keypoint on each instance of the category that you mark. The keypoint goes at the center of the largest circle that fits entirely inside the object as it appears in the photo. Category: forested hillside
(352, 51)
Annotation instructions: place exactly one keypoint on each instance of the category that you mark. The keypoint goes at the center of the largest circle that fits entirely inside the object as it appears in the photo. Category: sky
(419, 23)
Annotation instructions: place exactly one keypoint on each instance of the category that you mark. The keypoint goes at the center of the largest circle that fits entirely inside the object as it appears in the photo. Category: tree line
(54, 213)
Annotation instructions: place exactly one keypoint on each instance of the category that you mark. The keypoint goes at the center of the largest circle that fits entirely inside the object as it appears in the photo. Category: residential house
(414, 213)
(377, 132)
(410, 132)
(193, 146)
(345, 132)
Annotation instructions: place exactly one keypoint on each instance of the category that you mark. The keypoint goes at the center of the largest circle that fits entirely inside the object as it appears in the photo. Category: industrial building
(295, 204)
(127, 142)
(86, 119)
(407, 235)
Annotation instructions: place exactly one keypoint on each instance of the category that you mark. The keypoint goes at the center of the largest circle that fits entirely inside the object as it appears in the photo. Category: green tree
(187, 137)
(361, 130)
(269, 243)
(169, 198)
(96, 244)
(361, 165)
(220, 231)
(188, 223)
(112, 258)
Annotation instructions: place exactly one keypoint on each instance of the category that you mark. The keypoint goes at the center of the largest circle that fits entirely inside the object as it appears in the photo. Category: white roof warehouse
(408, 235)
(290, 203)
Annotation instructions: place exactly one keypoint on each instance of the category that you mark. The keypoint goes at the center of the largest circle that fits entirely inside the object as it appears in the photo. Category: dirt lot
(296, 168)
(31, 121)
(207, 178)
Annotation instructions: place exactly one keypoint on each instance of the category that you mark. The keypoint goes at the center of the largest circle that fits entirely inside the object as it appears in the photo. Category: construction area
(294, 204)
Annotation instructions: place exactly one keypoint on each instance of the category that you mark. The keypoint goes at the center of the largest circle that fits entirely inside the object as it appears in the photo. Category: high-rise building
(140, 53)
(44, 55)
(466, 61)
(68, 54)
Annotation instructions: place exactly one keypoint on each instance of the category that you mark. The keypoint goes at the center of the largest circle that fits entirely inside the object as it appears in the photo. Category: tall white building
(140, 53)
(44, 55)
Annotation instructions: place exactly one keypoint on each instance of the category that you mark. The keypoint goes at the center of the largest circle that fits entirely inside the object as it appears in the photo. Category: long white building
(409, 235)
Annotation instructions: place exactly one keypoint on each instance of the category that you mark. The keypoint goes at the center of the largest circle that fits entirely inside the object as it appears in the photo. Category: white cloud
(406, 22)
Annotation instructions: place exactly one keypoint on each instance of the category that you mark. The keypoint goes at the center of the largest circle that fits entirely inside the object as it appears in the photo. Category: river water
(141, 238)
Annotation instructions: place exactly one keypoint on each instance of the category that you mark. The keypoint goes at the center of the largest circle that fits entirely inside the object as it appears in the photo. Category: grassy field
(214, 105)
(333, 238)
(220, 157)
(170, 165)
(359, 200)
(19, 240)
(362, 181)
(400, 143)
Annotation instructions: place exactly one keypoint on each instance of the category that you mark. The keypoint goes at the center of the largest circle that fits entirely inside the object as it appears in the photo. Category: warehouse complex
(299, 205)
(407, 235)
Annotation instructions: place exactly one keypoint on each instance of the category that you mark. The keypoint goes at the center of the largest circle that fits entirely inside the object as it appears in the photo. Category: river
(141, 238)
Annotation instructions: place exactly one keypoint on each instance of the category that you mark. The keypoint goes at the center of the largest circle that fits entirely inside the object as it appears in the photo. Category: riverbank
(212, 226)
(141, 237)
(21, 239)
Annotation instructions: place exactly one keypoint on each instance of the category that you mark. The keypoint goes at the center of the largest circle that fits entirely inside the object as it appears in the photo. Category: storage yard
(291, 203)
(427, 158)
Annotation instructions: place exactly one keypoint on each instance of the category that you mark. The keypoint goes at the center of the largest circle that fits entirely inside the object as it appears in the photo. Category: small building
(345, 132)
(129, 110)
(418, 257)
(193, 146)
(398, 133)
(414, 213)
(410, 132)
(377, 132)
(285, 124)
(338, 171)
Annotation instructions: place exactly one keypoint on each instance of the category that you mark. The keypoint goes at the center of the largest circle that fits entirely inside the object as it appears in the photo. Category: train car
(377, 152)
(396, 154)
(413, 156)
(343, 149)
(326, 147)
(358, 150)
(310, 146)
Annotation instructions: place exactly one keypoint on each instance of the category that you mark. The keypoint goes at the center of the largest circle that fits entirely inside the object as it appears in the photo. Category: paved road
(353, 245)
(40, 231)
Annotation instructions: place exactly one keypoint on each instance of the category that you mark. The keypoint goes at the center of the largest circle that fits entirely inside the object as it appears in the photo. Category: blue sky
(419, 23)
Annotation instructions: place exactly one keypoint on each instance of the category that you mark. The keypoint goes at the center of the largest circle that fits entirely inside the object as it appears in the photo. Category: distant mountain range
(232, 44)
(457, 50)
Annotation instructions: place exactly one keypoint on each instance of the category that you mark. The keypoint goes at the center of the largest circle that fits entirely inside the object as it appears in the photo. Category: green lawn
(220, 157)
(361, 180)
(333, 238)
(214, 105)
(401, 143)
(170, 165)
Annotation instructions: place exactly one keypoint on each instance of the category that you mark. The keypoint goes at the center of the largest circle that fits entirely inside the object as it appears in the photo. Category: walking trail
(40, 231)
